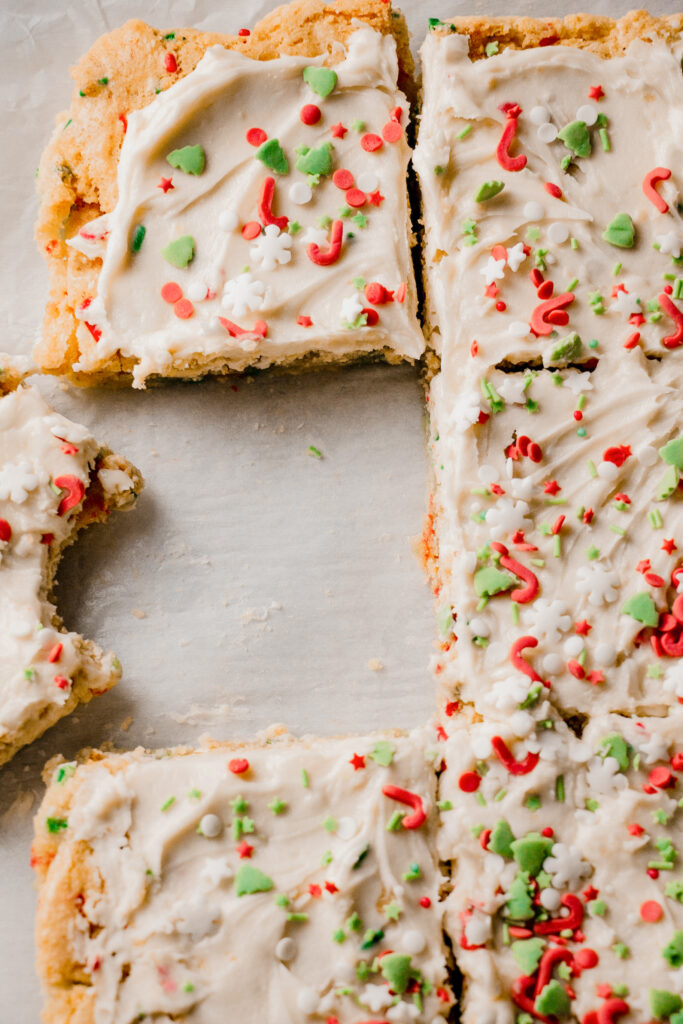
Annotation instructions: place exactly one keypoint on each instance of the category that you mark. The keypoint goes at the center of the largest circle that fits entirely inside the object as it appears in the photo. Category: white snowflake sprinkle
(669, 244)
(243, 295)
(604, 775)
(548, 619)
(315, 236)
(566, 866)
(466, 410)
(625, 302)
(653, 748)
(272, 248)
(17, 480)
(375, 997)
(506, 517)
(673, 679)
(598, 583)
(513, 389)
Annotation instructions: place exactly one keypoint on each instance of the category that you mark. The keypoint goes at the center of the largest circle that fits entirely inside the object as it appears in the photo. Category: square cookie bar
(566, 898)
(55, 478)
(213, 203)
(286, 881)
(557, 536)
(548, 157)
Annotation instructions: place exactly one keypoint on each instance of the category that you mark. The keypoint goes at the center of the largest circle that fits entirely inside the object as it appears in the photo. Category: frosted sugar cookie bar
(213, 203)
(548, 158)
(284, 881)
(566, 899)
(54, 479)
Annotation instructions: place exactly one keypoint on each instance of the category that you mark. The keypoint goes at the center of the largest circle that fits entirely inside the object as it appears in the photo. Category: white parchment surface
(253, 583)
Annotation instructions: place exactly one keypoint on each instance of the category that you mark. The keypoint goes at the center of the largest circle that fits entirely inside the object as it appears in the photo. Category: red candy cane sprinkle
(326, 257)
(75, 489)
(651, 179)
(672, 311)
(265, 203)
(507, 162)
(504, 755)
(412, 800)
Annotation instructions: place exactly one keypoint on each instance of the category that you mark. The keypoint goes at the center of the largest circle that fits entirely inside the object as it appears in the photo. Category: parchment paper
(254, 583)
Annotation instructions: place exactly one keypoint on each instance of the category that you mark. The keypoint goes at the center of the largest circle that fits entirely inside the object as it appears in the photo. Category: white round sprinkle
(346, 828)
(573, 646)
(588, 113)
(533, 211)
(607, 471)
(307, 1001)
(518, 329)
(196, 291)
(211, 826)
(547, 132)
(367, 181)
(300, 193)
(550, 899)
(480, 627)
(558, 232)
(647, 455)
(605, 654)
(228, 220)
(285, 950)
(522, 723)
(552, 663)
(539, 115)
(413, 941)
(344, 972)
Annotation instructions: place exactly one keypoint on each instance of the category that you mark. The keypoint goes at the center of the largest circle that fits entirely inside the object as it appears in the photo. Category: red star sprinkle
(590, 893)
(619, 288)
(552, 487)
(452, 707)
(358, 761)
(244, 849)
(595, 677)
(338, 130)
(603, 991)
(643, 565)
(331, 887)
(595, 92)
(636, 319)
(165, 184)
(669, 546)
(582, 628)
(315, 891)
(375, 198)
(491, 290)
(636, 830)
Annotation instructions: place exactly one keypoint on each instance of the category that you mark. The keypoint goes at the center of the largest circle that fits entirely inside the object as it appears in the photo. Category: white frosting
(44, 458)
(604, 840)
(214, 107)
(169, 904)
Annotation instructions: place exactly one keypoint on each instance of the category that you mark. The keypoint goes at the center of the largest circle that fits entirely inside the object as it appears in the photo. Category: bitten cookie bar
(286, 881)
(549, 159)
(566, 899)
(54, 480)
(213, 203)
(556, 536)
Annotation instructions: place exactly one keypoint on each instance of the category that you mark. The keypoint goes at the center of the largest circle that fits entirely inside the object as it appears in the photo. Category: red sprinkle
(649, 181)
(677, 762)
(170, 63)
(252, 229)
(392, 131)
(469, 782)
(183, 309)
(632, 340)
(356, 198)
(371, 317)
(586, 958)
(5, 530)
(62, 682)
(425, 902)
(343, 179)
(371, 143)
(651, 911)
(310, 114)
(553, 190)
(238, 765)
(304, 321)
(55, 653)
(171, 292)
(661, 777)
(376, 293)
(636, 830)
(256, 136)
(244, 32)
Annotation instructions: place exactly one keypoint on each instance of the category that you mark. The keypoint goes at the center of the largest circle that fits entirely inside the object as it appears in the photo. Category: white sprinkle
(605, 654)
(647, 455)
(558, 232)
(413, 941)
(480, 627)
(550, 899)
(533, 211)
(211, 826)
(573, 646)
(607, 471)
(518, 329)
(196, 291)
(228, 220)
(539, 115)
(588, 113)
(547, 133)
(285, 949)
(367, 181)
(300, 193)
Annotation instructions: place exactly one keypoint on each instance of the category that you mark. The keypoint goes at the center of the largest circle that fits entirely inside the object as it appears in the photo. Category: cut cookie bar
(54, 480)
(557, 532)
(284, 881)
(566, 900)
(212, 203)
(548, 158)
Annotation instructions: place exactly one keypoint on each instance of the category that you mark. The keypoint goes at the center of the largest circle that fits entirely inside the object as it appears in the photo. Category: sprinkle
(310, 114)
(488, 190)
(392, 131)
(183, 309)
(171, 292)
(189, 159)
(371, 143)
(651, 911)
(180, 252)
(167, 803)
(170, 63)
(315, 452)
(139, 233)
(321, 80)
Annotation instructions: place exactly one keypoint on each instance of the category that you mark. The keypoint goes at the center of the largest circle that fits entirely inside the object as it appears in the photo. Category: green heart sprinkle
(189, 159)
(576, 138)
(488, 190)
(249, 880)
(620, 232)
(315, 161)
(321, 80)
(272, 156)
(180, 252)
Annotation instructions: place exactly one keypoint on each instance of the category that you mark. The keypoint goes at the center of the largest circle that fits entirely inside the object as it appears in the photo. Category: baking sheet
(254, 583)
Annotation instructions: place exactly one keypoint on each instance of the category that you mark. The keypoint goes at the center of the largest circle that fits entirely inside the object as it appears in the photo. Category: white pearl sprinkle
(300, 193)
(307, 1001)
(533, 210)
(605, 654)
(552, 663)
(539, 115)
(573, 646)
(558, 232)
(413, 941)
(480, 627)
(228, 220)
(211, 826)
(285, 949)
(196, 291)
(367, 181)
(647, 455)
(550, 899)
(588, 113)
(607, 471)
(547, 132)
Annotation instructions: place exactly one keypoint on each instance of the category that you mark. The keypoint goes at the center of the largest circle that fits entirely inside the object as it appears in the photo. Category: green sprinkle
(55, 825)
(189, 159)
(249, 880)
(576, 138)
(598, 908)
(592, 805)
(277, 806)
(621, 950)
(620, 232)
(180, 252)
(339, 936)
(138, 238)
(167, 803)
(464, 132)
(592, 553)
(412, 873)
(664, 1004)
(272, 156)
(532, 802)
(604, 139)
(321, 80)
(559, 789)
(655, 517)
(492, 48)
(305, 782)
(312, 450)
(488, 190)
(354, 923)
(394, 823)
(642, 608)
(553, 1000)
(396, 969)
(383, 753)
